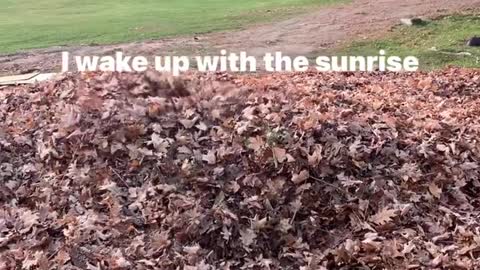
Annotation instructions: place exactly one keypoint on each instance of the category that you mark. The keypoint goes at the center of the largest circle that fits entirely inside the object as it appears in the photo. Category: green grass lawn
(437, 44)
(27, 24)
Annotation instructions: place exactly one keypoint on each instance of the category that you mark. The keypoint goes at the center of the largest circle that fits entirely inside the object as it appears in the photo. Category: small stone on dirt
(474, 42)
(412, 21)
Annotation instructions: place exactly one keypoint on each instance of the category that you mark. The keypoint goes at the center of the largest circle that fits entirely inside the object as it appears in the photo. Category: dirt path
(321, 29)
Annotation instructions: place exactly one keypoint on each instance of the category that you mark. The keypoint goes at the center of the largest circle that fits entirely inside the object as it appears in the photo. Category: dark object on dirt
(474, 42)
(412, 21)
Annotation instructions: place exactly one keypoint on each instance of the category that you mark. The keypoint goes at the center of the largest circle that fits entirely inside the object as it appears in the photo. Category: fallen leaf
(301, 177)
(256, 143)
(210, 157)
(435, 190)
(279, 154)
(384, 216)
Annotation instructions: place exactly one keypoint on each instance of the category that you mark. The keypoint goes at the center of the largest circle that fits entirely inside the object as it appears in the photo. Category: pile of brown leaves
(287, 171)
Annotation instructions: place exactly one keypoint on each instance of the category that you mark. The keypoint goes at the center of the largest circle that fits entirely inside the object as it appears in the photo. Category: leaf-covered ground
(291, 171)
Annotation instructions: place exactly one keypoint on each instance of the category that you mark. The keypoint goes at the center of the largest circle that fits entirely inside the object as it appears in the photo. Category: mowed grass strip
(27, 24)
(438, 43)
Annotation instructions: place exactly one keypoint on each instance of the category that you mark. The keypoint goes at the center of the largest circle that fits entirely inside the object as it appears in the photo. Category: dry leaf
(248, 237)
(301, 177)
(279, 154)
(210, 157)
(435, 190)
(384, 216)
(256, 143)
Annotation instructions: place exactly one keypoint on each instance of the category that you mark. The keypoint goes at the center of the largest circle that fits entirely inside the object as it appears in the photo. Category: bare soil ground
(321, 29)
